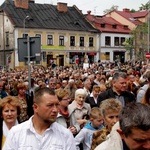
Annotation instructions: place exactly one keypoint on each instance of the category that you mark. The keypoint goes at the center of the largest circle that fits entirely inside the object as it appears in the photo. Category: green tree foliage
(128, 43)
(138, 39)
(132, 10)
(144, 6)
(114, 7)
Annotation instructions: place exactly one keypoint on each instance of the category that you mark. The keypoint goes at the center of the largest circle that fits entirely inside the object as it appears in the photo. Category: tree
(114, 7)
(138, 41)
(128, 43)
(132, 10)
(144, 6)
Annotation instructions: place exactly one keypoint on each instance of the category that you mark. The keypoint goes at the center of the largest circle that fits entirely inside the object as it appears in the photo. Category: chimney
(22, 4)
(62, 7)
(126, 10)
(31, 1)
(89, 12)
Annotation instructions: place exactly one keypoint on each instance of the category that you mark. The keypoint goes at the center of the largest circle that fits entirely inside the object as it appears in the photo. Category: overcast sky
(96, 6)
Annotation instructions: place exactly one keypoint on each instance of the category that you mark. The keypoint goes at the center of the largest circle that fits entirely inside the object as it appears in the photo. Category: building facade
(113, 35)
(136, 23)
(66, 36)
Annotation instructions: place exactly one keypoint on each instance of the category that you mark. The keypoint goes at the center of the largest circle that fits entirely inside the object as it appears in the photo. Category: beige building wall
(123, 20)
(57, 50)
(6, 50)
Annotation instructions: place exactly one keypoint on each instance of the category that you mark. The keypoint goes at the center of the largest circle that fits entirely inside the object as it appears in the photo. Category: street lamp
(24, 24)
(28, 49)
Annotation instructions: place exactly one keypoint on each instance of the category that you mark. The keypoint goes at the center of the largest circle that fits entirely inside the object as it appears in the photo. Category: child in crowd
(86, 133)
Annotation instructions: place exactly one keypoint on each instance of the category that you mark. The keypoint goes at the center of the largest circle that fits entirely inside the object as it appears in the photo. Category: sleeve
(89, 109)
(10, 143)
(79, 137)
(74, 122)
(140, 95)
(70, 143)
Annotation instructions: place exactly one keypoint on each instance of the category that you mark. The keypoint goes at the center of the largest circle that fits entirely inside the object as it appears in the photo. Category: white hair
(80, 92)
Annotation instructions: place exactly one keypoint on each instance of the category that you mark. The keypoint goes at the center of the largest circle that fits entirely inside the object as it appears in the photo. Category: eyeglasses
(66, 98)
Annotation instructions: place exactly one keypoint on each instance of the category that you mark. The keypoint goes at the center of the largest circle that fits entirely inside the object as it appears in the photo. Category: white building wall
(16, 48)
(112, 48)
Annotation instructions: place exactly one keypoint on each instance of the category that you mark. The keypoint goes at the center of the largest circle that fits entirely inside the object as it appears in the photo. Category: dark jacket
(3, 94)
(90, 100)
(128, 97)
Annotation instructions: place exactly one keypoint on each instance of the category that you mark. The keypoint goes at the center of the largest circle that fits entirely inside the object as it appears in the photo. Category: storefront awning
(91, 53)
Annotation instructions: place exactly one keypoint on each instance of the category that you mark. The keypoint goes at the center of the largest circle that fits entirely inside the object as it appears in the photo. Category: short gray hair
(80, 92)
(118, 75)
(134, 115)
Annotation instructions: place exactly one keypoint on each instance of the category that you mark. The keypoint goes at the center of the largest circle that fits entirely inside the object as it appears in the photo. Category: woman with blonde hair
(9, 111)
(110, 109)
(65, 116)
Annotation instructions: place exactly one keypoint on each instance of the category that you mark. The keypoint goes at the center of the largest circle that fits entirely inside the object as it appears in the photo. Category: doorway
(119, 57)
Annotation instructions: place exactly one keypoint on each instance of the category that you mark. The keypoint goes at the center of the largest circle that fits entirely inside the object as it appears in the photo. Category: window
(81, 41)
(125, 27)
(107, 55)
(7, 38)
(114, 26)
(90, 41)
(116, 41)
(38, 62)
(44, 56)
(122, 40)
(72, 40)
(103, 25)
(25, 35)
(50, 40)
(61, 40)
(107, 40)
(38, 35)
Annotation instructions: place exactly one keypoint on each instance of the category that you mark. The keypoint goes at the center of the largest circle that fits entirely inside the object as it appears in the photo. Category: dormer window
(114, 26)
(125, 27)
(103, 25)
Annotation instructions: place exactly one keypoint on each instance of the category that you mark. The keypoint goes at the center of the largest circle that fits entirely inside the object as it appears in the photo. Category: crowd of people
(76, 108)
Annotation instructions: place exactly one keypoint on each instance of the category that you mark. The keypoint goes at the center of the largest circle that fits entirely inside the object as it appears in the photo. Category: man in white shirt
(41, 132)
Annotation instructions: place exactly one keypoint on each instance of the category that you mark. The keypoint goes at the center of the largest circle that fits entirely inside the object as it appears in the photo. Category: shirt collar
(91, 95)
(32, 129)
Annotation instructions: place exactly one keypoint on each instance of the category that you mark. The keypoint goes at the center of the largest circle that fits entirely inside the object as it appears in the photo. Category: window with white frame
(61, 40)
(49, 39)
(122, 41)
(116, 41)
(72, 40)
(107, 40)
(91, 41)
(81, 41)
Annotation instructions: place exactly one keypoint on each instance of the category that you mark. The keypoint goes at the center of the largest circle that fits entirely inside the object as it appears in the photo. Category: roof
(109, 22)
(46, 16)
(133, 16)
